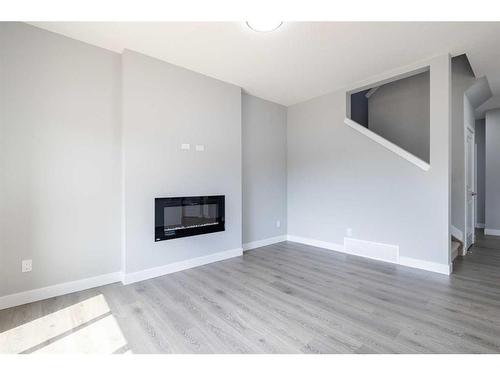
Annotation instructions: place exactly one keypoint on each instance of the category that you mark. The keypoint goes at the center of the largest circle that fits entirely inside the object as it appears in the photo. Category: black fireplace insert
(188, 216)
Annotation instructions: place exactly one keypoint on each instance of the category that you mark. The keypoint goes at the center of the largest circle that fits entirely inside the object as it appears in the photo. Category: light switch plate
(185, 146)
(26, 265)
(200, 147)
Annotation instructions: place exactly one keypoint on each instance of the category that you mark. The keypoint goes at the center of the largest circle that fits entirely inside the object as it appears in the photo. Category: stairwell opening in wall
(396, 114)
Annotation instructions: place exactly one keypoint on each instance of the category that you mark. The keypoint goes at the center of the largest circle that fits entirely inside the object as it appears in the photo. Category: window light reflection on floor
(85, 327)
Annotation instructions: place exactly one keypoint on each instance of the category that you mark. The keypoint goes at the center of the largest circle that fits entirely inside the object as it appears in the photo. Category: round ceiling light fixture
(264, 26)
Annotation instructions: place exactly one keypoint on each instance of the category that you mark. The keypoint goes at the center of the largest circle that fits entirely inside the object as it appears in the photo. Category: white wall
(164, 106)
(264, 169)
(59, 159)
(492, 170)
(338, 178)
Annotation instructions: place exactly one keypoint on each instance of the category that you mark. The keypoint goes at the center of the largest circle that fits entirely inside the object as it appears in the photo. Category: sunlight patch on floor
(85, 327)
(102, 337)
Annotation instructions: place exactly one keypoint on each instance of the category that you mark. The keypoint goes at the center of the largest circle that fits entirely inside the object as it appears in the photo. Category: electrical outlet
(185, 146)
(278, 224)
(349, 232)
(200, 147)
(26, 265)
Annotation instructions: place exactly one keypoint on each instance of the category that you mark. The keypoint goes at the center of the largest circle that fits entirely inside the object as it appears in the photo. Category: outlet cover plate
(26, 265)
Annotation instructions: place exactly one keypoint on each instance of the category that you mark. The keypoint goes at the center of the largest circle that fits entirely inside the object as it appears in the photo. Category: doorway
(470, 193)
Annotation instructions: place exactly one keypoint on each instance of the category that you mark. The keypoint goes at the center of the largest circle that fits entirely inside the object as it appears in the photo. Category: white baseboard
(374, 250)
(444, 269)
(150, 273)
(317, 243)
(92, 282)
(492, 232)
(404, 261)
(264, 242)
(457, 233)
(480, 225)
(34, 295)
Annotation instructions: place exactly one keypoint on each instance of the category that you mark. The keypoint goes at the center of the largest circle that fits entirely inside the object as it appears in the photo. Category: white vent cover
(374, 250)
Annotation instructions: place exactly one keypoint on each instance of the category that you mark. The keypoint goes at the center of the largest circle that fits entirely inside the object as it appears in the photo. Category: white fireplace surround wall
(163, 107)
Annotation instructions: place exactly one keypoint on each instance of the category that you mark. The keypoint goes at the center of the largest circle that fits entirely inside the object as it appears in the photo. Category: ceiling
(300, 60)
(492, 103)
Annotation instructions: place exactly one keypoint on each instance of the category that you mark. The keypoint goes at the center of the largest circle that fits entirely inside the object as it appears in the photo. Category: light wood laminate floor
(283, 298)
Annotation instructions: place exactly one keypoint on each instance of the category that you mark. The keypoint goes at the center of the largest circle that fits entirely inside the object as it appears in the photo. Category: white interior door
(469, 186)
(475, 184)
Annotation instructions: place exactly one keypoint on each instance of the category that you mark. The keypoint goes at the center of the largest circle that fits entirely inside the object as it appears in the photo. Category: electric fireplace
(188, 216)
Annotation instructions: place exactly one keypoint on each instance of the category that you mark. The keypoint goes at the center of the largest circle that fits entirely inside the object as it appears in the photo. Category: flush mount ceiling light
(264, 26)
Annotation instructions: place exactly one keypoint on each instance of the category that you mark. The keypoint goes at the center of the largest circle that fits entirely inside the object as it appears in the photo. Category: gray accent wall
(492, 171)
(399, 112)
(264, 168)
(462, 79)
(163, 107)
(339, 178)
(480, 170)
(59, 159)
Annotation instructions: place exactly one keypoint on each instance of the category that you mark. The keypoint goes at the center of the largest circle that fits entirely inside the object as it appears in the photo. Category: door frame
(475, 184)
(469, 129)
